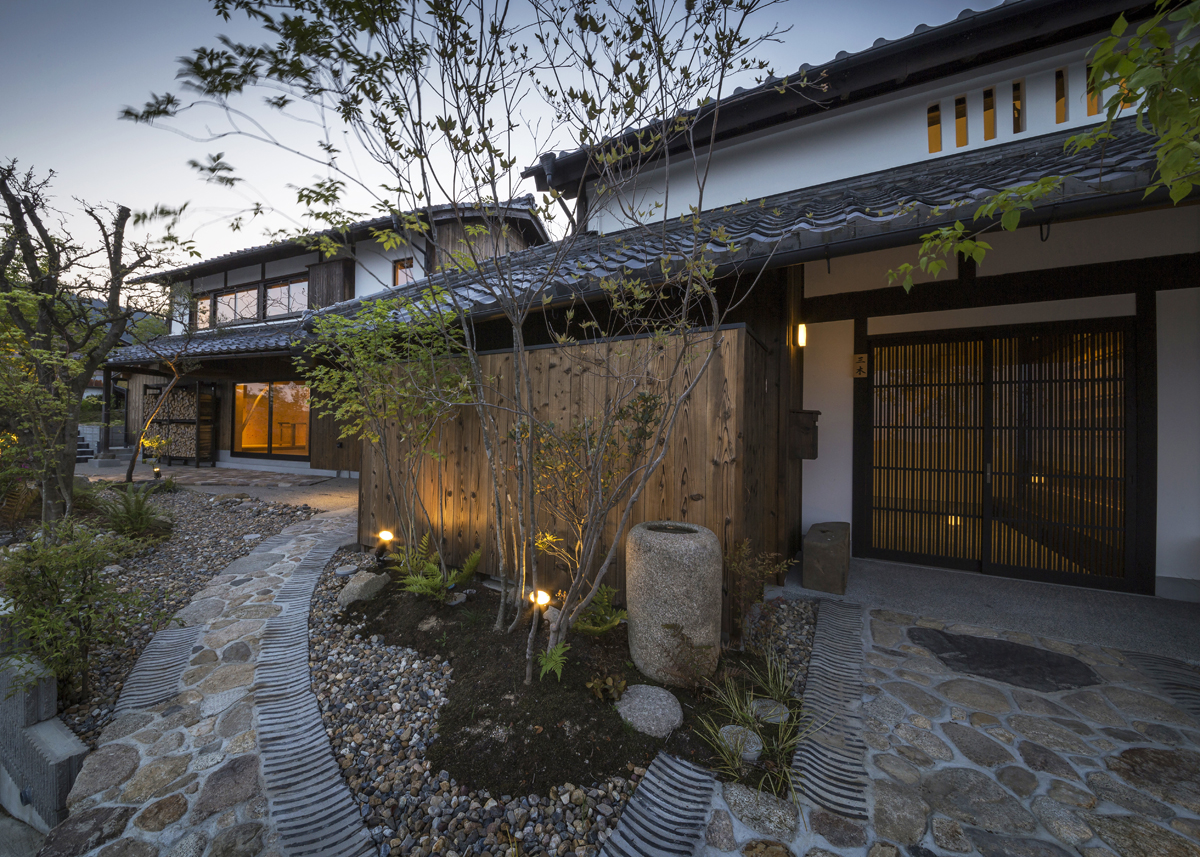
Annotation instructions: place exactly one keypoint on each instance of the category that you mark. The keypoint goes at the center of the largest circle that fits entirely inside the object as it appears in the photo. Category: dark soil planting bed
(497, 733)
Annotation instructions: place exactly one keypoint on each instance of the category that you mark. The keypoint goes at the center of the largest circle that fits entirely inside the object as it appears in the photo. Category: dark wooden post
(105, 412)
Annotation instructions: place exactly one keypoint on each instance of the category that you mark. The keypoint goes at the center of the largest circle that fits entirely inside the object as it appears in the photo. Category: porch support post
(105, 411)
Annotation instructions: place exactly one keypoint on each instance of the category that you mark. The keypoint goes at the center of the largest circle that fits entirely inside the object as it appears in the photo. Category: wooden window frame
(1020, 106)
(406, 264)
(933, 125)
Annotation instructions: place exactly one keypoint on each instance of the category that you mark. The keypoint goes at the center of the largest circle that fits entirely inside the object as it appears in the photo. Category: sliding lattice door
(1004, 451)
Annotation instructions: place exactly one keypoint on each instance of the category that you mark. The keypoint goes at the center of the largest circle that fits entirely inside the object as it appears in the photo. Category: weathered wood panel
(717, 471)
(327, 449)
(330, 282)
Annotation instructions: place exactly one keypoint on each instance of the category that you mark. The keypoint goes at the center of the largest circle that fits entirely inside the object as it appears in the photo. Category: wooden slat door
(1004, 450)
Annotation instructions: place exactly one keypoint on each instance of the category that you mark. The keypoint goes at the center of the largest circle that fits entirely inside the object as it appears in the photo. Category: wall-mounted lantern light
(801, 335)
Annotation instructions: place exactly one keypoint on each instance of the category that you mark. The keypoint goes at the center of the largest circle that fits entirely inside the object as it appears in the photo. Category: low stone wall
(39, 756)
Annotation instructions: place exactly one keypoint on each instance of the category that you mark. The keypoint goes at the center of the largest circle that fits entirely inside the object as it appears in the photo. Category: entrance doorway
(1005, 450)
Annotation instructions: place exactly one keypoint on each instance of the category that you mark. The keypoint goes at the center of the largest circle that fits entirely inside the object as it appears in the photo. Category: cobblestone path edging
(197, 761)
(830, 762)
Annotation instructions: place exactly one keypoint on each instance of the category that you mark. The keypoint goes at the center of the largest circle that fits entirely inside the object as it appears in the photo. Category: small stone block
(827, 557)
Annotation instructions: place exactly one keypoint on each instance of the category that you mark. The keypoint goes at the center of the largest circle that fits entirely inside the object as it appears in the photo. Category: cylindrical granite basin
(673, 589)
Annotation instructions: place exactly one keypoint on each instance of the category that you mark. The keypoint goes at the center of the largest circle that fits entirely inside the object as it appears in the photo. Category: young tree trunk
(57, 485)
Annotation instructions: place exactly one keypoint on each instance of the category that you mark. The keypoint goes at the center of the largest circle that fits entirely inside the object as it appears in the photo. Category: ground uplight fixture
(541, 598)
(157, 472)
(386, 535)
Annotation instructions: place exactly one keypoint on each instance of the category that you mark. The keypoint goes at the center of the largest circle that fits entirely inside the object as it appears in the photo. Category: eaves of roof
(971, 40)
(519, 209)
(251, 339)
(891, 208)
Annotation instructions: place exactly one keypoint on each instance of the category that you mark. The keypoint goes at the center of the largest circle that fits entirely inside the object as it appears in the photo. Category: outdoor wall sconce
(801, 335)
(541, 598)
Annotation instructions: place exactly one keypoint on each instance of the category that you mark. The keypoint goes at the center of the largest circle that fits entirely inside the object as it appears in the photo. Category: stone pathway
(183, 770)
(1000, 743)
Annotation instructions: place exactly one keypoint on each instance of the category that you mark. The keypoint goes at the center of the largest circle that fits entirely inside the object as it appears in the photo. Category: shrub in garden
(748, 572)
(132, 514)
(600, 616)
(65, 604)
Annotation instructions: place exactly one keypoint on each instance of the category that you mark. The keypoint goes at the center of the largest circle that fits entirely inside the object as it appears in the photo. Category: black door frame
(1140, 444)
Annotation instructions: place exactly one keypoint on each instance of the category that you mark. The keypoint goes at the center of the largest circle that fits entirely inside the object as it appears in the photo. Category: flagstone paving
(184, 769)
(998, 743)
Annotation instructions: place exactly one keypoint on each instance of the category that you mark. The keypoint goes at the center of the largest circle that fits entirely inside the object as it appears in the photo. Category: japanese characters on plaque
(860, 366)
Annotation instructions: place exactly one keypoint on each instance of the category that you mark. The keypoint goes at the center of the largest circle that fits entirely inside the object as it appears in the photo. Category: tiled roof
(266, 337)
(889, 208)
(520, 207)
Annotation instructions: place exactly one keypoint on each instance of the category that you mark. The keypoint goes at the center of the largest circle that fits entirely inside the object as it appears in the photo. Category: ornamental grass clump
(737, 703)
(65, 605)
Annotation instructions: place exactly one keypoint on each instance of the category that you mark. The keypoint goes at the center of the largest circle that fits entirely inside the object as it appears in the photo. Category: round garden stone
(742, 741)
(109, 766)
(346, 570)
(762, 812)
(770, 711)
(974, 798)
(650, 710)
(975, 746)
(673, 592)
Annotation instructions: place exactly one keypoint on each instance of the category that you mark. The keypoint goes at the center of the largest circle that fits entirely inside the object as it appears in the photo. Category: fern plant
(132, 514)
(553, 660)
(600, 616)
(422, 575)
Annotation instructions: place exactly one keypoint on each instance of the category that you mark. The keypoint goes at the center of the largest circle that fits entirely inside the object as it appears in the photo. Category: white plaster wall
(829, 388)
(1163, 232)
(873, 135)
(248, 274)
(1102, 306)
(292, 265)
(1179, 444)
(864, 271)
(373, 265)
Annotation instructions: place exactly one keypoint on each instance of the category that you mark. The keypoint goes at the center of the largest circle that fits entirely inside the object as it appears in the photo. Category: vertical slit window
(1093, 93)
(989, 114)
(402, 272)
(960, 121)
(1018, 105)
(934, 121)
(1060, 96)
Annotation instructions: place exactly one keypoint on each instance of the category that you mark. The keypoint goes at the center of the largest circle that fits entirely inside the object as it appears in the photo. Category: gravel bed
(379, 704)
(785, 627)
(207, 536)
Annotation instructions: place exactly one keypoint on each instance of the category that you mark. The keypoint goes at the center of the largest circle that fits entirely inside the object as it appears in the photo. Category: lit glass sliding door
(271, 419)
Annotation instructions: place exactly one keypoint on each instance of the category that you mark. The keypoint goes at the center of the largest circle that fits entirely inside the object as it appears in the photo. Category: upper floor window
(1018, 106)
(402, 272)
(203, 315)
(989, 114)
(934, 121)
(960, 121)
(287, 297)
(237, 306)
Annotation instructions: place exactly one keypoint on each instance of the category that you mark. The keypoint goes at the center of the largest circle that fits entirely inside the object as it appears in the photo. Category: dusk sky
(69, 66)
